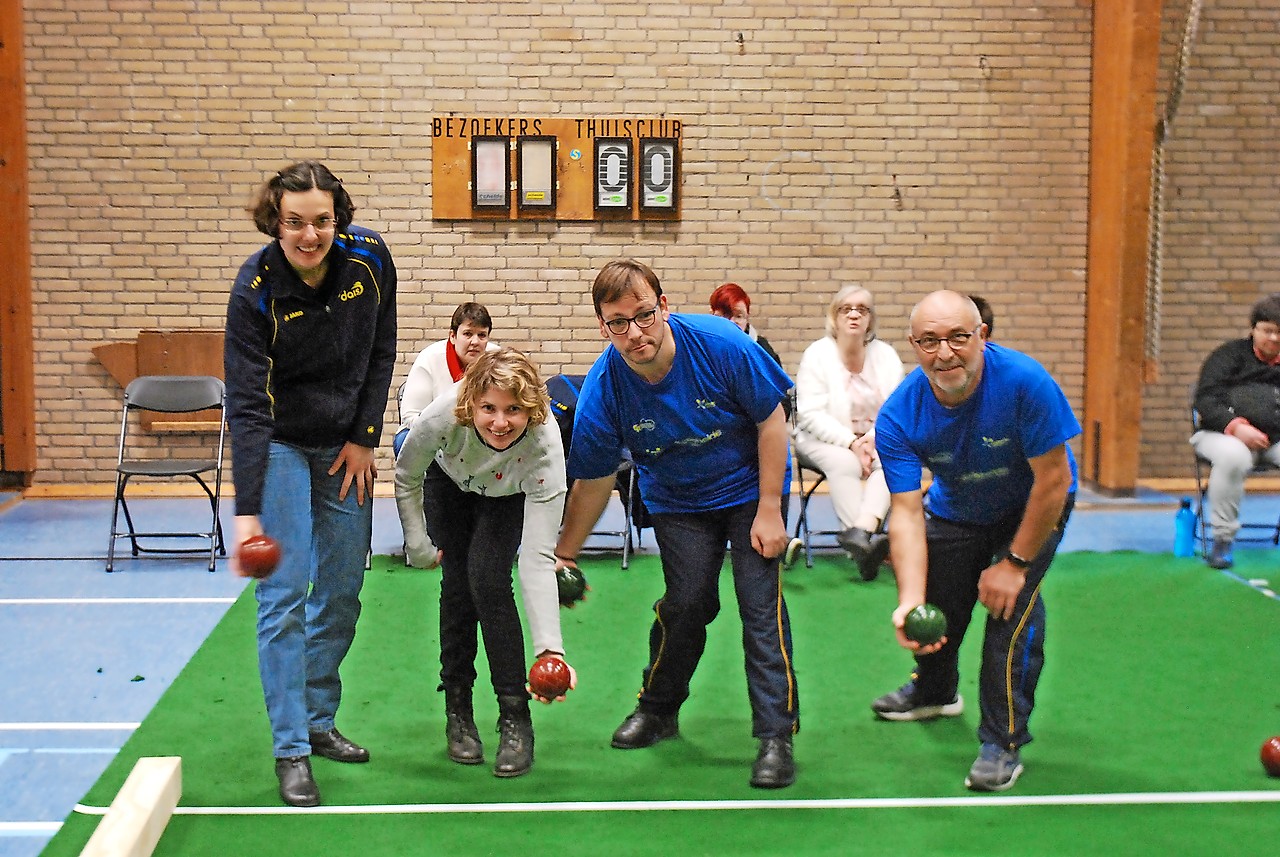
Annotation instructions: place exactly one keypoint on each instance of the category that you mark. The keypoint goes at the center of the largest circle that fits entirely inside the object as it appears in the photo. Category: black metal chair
(170, 394)
(1269, 530)
(804, 529)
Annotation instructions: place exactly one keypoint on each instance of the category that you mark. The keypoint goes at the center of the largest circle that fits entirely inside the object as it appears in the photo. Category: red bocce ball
(549, 677)
(259, 556)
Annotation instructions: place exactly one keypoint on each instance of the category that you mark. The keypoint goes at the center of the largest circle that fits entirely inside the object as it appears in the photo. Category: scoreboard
(500, 168)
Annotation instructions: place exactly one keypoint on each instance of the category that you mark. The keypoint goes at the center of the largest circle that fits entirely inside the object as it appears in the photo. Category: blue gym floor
(85, 655)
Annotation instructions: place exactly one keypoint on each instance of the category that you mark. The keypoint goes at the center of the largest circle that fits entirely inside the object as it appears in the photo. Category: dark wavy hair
(302, 176)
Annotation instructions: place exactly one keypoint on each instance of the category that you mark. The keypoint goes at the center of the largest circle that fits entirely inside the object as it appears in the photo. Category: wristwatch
(1017, 561)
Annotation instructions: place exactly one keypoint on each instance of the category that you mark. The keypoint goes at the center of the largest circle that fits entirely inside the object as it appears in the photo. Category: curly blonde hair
(506, 369)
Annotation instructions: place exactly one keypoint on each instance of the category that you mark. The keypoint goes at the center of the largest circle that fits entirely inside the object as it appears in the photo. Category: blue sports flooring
(85, 655)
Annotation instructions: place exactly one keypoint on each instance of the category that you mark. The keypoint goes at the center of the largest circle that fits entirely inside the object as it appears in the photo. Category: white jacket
(429, 378)
(822, 397)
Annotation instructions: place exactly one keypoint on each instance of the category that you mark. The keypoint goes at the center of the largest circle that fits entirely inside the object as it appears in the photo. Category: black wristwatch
(1017, 561)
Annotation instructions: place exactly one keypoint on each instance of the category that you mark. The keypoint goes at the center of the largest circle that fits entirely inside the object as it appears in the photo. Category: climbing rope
(1155, 240)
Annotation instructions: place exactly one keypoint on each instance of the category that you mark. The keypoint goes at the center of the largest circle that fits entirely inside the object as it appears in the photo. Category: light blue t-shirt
(977, 451)
(693, 434)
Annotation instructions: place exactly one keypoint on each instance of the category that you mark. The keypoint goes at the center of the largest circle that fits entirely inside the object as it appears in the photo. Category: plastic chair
(170, 394)
(1270, 529)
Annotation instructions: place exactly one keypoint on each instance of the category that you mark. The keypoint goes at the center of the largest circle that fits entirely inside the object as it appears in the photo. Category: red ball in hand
(549, 677)
(1271, 755)
(259, 556)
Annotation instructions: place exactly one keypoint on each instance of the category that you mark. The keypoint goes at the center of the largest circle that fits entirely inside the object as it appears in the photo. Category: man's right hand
(1250, 436)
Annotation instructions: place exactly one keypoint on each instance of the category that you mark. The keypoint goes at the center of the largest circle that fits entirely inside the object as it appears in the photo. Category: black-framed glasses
(956, 341)
(643, 320)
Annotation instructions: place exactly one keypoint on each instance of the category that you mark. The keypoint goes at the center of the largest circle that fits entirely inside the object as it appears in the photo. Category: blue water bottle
(1184, 530)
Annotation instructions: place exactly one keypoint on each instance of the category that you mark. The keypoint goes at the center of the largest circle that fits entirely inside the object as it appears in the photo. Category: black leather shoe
(869, 565)
(644, 729)
(334, 745)
(775, 766)
(297, 786)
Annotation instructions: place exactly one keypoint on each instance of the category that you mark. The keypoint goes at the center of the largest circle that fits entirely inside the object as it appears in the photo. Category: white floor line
(29, 828)
(1115, 799)
(65, 726)
(139, 600)
(54, 751)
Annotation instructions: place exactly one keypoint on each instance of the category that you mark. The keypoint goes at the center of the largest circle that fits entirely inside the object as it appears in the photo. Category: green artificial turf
(1159, 677)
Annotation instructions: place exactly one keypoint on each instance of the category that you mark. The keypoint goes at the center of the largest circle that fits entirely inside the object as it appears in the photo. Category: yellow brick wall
(905, 146)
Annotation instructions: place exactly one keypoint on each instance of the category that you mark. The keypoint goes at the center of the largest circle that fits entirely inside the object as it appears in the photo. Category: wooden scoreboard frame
(573, 193)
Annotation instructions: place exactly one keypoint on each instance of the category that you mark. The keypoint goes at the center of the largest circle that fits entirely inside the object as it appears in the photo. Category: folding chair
(1270, 529)
(170, 394)
(804, 529)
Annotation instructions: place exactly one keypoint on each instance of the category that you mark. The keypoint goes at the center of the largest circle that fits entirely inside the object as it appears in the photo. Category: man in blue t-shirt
(699, 407)
(992, 427)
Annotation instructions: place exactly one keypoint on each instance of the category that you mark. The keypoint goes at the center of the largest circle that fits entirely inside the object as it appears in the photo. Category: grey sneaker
(1219, 555)
(902, 705)
(995, 769)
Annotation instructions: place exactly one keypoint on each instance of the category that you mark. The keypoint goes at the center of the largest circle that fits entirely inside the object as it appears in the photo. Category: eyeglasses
(321, 224)
(862, 311)
(931, 344)
(643, 320)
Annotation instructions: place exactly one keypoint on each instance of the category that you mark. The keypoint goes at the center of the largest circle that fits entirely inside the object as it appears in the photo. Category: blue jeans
(1012, 649)
(307, 609)
(692, 548)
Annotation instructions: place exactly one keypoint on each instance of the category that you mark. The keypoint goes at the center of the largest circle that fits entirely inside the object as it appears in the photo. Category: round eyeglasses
(320, 224)
(643, 320)
(956, 341)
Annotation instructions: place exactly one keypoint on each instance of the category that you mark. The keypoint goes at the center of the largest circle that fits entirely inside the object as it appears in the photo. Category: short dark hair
(621, 277)
(472, 312)
(985, 312)
(1267, 309)
(302, 176)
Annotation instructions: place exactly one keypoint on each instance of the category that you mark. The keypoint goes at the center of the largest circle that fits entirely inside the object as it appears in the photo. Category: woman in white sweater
(843, 380)
(494, 485)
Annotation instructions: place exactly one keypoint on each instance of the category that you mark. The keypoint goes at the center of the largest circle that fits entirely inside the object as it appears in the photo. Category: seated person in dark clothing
(1238, 399)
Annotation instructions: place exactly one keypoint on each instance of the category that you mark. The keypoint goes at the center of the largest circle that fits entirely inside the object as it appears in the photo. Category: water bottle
(1184, 530)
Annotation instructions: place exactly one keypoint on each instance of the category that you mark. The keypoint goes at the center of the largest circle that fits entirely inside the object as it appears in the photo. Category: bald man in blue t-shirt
(992, 427)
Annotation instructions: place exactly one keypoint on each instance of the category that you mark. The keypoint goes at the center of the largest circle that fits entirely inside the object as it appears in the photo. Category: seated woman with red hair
(731, 301)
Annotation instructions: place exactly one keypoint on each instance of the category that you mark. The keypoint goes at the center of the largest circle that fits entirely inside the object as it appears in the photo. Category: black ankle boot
(460, 727)
(515, 741)
(297, 785)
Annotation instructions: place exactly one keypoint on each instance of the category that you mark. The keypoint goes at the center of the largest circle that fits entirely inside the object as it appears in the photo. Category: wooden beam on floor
(141, 810)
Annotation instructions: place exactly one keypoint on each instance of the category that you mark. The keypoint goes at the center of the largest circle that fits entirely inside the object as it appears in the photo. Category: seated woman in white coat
(843, 380)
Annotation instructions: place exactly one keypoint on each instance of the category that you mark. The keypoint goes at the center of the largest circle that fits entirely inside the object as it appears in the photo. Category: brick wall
(905, 146)
(1222, 219)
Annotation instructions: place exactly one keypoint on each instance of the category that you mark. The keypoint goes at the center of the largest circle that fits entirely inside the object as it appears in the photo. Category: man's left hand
(361, 469)
(998, 588)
